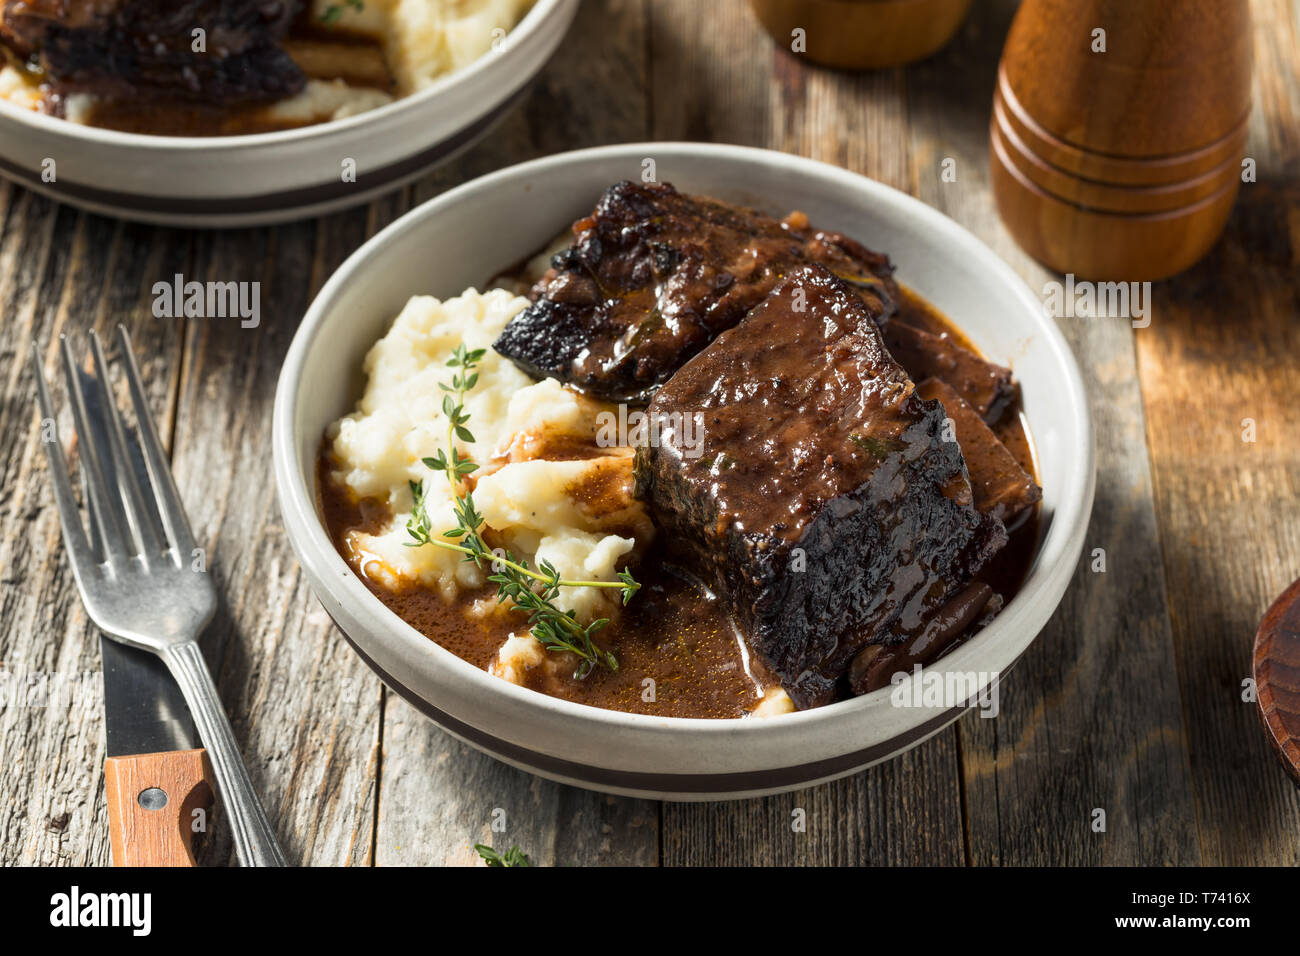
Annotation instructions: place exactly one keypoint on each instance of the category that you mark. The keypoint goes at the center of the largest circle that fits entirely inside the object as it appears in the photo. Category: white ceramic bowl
(469, 234)
(275, 177)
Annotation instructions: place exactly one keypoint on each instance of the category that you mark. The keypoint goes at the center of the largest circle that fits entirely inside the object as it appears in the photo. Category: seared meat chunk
(822, 500)
(1001, 487)
(987, 387)
(141, 48)
(653, 276)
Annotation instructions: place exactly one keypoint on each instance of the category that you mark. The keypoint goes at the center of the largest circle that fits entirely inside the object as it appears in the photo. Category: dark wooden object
(1119, 130)
(1277, 676)
(861, 34)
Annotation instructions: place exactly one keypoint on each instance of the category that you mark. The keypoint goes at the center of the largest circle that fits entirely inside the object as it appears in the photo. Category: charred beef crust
(824, 503)
(653, 276)
(141, 48)
(1000, 486)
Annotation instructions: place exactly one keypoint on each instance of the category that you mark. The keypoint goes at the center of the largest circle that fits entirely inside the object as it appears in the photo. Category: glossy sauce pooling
(674, 632)
(678, 635)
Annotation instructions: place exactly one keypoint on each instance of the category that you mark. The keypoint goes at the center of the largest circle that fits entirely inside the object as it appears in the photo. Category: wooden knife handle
(156, 804)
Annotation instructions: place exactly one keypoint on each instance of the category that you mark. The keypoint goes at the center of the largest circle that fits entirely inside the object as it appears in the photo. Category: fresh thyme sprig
(553, 628)
(334, 11)
(512, 857)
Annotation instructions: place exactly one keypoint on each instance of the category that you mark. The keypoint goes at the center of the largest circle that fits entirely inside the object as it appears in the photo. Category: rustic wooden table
(1131, 701)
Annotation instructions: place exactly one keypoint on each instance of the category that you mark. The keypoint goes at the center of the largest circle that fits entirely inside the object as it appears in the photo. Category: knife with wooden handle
(159, 786)
(157, 779)
(152, 804)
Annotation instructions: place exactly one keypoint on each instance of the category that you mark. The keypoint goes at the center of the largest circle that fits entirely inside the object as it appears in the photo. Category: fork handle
(254, 838)
(156, 803)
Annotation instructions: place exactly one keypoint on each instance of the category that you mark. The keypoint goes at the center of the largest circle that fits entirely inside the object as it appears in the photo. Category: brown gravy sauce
(675, 633)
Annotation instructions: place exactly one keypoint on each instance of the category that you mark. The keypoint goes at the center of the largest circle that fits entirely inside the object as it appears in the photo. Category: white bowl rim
(523, 30)
(1049, 573)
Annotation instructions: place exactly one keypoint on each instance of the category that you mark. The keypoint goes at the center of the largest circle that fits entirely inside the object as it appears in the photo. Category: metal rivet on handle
(152, 799)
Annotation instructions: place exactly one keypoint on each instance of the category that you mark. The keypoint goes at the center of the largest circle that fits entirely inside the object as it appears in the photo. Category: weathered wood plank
(1220, 378)
(60, 273)
(437, 796)
(905, 812)
(1090, 718)
(305, 708)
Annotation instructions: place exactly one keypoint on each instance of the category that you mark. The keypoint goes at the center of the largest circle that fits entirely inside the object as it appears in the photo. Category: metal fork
(133, 571)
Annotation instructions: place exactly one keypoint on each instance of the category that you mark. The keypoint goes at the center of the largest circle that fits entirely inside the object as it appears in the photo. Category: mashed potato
(426, 39)
(323, 100)
(774, 703)
(423, 40)
(577, 513)
(17, 90)
(545, 487)
(518, 655)
(429, 38)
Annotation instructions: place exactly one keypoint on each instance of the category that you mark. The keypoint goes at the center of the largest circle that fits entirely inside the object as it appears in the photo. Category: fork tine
(92, 526)
(92, 521)
(107, 505)
(74, 535)
(164, 486)
(142, 516)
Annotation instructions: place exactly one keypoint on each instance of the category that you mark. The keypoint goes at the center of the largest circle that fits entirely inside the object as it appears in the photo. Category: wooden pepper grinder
(1119, 130)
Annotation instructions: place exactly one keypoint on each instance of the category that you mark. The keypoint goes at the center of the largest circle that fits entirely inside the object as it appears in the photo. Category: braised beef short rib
(146, 48)
(653, 276)
(824, 502)
(987, 387)
(1001, 487)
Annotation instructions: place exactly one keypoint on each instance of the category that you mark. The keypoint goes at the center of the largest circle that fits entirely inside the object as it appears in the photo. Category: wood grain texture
(60, 272)
(1090, 718)
(905, 812)
(1131, 701)
(158, 835)
(306, 709)
(1220, 382)
(440, 797)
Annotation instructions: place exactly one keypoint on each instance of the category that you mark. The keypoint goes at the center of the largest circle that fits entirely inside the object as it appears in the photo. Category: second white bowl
(223, 181)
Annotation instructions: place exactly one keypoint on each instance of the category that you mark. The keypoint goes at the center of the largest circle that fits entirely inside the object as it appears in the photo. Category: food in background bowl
(203, 67)
(828, 483)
